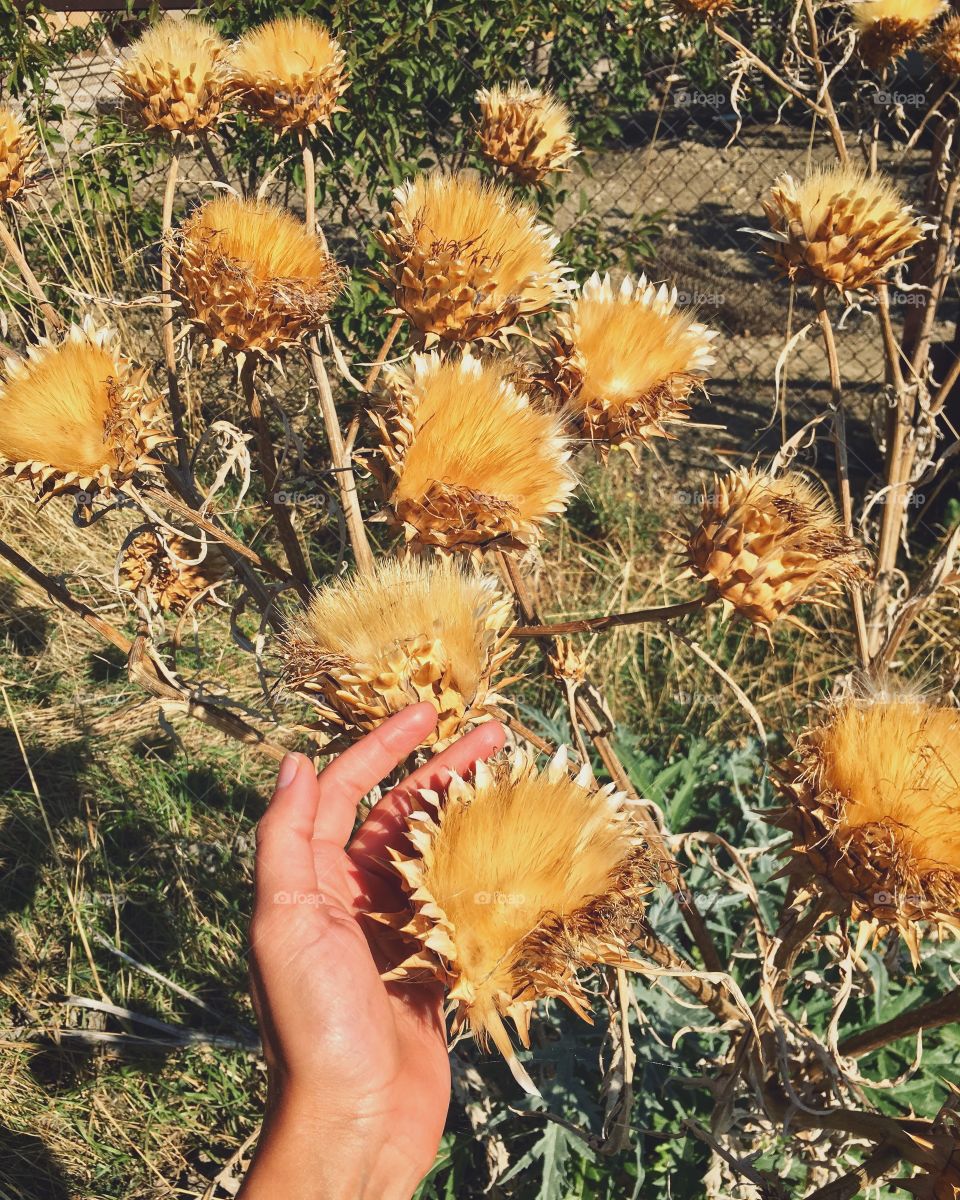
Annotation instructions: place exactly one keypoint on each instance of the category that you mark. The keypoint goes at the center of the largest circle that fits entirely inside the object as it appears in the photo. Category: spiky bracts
(18, 144)
(516, 880)
(944, 47)
(468, 260)
(873, 803)
(473, 461)
(251, 277)
(413, 630)
(290, 73)
(838, 227)
(765, 543)
(624, 361)
(75, 416)
(524, 130)
(888, 28)
(172, 573)
(174, 76)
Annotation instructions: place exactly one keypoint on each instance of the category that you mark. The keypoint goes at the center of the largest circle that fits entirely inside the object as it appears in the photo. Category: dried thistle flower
(765, 543)
(290, 73)
(75, 416)
(873, 802)
(525, 130)
(838, 227)
(469, 261)
(168, 572)
(888, 28)
(516, 880)
(251, 277)
(474, 462)
(175, 76)
(18, 145)
(624, 362)
(413, 630)
(944, 47)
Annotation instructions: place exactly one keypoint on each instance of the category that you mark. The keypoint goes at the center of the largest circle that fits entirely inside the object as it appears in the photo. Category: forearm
(302, 1157)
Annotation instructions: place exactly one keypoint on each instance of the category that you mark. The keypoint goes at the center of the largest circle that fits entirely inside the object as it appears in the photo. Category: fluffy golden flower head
(173, 574)
(944, 47)
(517, 879)
(413, 630)
(873, 801)
(468, 260)
(473, 460)
(888, 28)
(624, 361)
(74, 416)
(17, 147)
(525, 130)
(765, 543)
(838, 227)
(290, 73)
(251, 277)
(174, 75)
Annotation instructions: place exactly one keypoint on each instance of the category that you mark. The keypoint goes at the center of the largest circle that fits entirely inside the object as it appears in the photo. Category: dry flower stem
(840, 455)
(638, 616)
(342, 465)
(377, 364)
(210, 714)
(343, 469)
(52, 318)
(945, 1010)
(871, 1170)
(166, 290)
(761, 66)
(823, 91)
(268, 465)
(580, 709)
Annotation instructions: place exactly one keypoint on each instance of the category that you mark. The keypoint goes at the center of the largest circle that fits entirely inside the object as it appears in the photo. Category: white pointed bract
(524, 130)
(467, 259)
(765, 543)
(873, 802)
(174, 76)
(413, 630)
(75, 416)
(625, 360)
(473, 461)
(516, 880)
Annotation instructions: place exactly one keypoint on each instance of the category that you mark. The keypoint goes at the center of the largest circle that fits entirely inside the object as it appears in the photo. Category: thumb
(284, 863)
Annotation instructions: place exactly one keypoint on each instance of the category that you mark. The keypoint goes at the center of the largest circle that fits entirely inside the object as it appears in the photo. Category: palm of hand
(335, 1035)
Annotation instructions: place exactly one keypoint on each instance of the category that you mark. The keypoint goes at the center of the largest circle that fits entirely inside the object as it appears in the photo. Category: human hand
(358, 1073)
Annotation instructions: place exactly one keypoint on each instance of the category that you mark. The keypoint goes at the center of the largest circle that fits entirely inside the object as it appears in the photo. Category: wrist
(301, 1155)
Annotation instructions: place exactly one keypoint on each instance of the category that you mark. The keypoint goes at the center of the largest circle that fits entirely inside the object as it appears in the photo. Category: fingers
(387, 821)
(354, 772)
(284, 862)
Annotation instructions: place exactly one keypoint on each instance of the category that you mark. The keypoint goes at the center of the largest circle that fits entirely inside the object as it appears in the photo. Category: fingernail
(288, 770)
